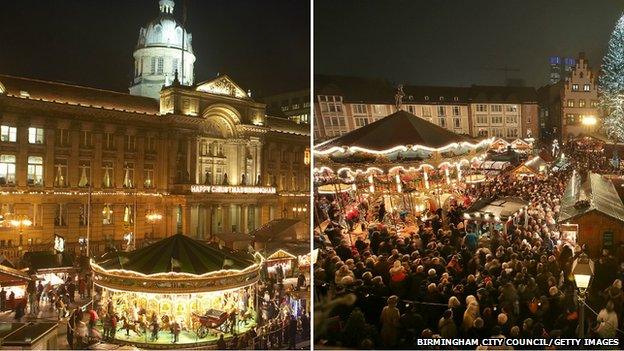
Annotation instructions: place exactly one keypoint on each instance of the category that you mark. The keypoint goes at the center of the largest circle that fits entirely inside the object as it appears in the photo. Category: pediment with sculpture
(223, 85)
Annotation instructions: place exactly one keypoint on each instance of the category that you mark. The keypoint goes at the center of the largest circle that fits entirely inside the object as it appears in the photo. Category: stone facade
(62, 145)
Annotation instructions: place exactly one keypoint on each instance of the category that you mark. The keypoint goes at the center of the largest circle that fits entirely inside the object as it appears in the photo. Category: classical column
(244, 218)
(208, 221)
(227, 225)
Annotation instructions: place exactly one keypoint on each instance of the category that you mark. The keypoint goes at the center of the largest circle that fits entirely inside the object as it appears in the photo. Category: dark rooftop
(370, 90)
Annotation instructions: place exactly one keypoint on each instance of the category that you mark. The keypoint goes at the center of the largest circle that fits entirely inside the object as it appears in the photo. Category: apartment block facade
(342, 104)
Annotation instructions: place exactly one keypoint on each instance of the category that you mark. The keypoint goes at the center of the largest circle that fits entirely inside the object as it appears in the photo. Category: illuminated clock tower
(164, 47)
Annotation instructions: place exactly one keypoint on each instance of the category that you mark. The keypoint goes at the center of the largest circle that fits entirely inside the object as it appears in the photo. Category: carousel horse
(166, 322)
(245, 317)
(143, 322)
(129, 325)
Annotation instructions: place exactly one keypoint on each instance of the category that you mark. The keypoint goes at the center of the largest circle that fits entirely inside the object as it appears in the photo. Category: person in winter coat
(447, 327)
(607, 321)
(390, 317)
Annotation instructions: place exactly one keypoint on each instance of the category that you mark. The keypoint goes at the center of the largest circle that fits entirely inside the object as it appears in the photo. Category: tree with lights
(611, 84)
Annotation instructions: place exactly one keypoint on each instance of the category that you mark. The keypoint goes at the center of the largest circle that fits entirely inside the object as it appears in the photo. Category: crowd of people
(453, 278)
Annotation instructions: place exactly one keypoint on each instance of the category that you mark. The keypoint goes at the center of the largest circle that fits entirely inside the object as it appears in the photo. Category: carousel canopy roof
(596, 193)
(399, 128)
(178, 253)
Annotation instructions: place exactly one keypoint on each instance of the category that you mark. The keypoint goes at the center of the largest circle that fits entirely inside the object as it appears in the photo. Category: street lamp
(152, 218)
(20, 222)
(583, 270)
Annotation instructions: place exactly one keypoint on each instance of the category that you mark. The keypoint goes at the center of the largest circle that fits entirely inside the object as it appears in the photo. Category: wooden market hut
(12, 279)
(531, 168)
(591, 202)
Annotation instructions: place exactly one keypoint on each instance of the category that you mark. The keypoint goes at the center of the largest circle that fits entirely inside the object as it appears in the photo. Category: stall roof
(273, 229)
(595, 193)
(281, 255)
(178, 253)
(399, 128)
(48, 260)
(531, 166)
(10, 276)
(499, 207)
(24, 334)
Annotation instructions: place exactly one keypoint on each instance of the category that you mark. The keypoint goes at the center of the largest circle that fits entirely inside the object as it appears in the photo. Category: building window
(161, 65)
(153, 65)
(150, 143)
(8, 134)
(512, 133)
(482, 120)
(456, 111)
(62, 137)
(85, 173)
(511, 119)
(586, 87)
(575, 87)
(107, 214)
(482, 108)
(7, 169)
(593, 103)
(107, 174)
(35, 170)
(174, 67)
(457, 123)
(128, 214)
(130, 142)
(441, 111)
(35, 135)
(359, 109)
(361, 121)
(483, 133)
(60, 177)
(581, 103)
(511, 108)
(60, 219)
(496, 108)
(109, 141)
(379, 109)
(497, 119)
(86, 139)
(128, 175)
(148, 176)
(411, 109)
(570, 119)
(426, 111)
(570, 103)
(497, 132)
(82, 219)
(442, 122)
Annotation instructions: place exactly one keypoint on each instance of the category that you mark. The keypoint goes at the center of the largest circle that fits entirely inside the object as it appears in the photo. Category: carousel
(177, 292)
(403, 161)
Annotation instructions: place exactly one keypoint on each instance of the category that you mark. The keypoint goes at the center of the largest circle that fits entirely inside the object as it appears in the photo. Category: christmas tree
(611, 84)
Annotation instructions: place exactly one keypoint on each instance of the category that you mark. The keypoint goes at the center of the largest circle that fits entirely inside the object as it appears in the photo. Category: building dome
(164, 47)
(165, 30)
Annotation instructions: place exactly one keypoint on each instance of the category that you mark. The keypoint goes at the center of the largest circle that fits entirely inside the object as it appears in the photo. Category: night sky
(459, 42)
(263, 45)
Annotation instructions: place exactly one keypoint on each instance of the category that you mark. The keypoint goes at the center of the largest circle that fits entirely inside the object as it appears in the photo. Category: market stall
(14, 282)
(204, 289)
(532, 168)
(282, 259)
